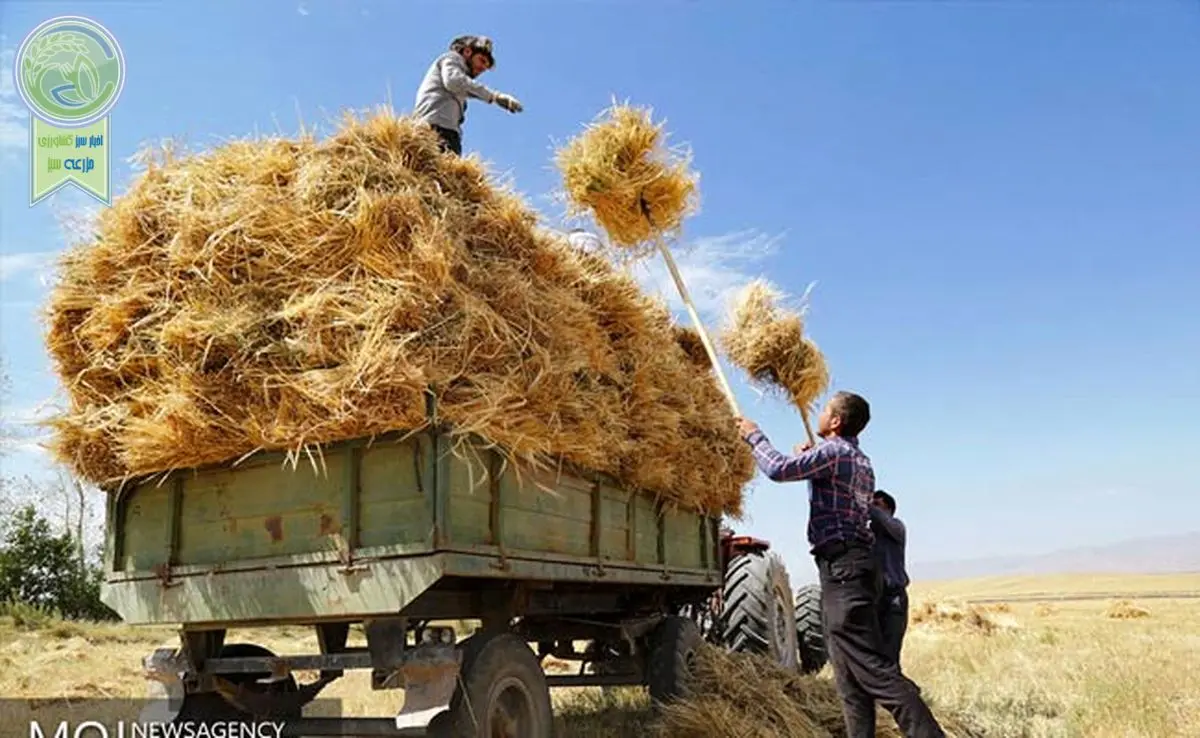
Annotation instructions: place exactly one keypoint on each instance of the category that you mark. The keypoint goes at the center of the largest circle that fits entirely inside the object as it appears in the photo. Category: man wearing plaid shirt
(842, 484)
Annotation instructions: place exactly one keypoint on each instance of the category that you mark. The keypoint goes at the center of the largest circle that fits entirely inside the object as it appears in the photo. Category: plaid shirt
(841, 484)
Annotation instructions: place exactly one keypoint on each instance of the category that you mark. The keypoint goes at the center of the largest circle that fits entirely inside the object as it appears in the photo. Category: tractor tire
(759, 615)
(810, 632)
(672, 655)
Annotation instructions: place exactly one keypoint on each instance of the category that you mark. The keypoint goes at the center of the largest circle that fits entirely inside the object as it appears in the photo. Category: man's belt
(833, 549)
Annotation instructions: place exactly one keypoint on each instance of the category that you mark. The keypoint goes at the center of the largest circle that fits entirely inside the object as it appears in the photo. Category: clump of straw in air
(619, 170)
(768, 343)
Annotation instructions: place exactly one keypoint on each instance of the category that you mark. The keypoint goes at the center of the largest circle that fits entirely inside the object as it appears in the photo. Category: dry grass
(1061, 585)
(280, 294)
(768, 343)
(959, 617)
(1126, 610)
(737, 695)
(1066, 670)
(621, 172)
(1069, 673)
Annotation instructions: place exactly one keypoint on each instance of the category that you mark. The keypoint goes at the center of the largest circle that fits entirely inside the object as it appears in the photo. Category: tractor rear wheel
(810, 633)
(759, 615)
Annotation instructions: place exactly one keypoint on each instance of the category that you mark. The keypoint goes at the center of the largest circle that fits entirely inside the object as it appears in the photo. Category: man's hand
(802, 447)
(508, 102)
(746, 427)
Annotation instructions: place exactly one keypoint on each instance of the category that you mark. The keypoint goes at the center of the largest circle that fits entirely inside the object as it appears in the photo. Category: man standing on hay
(450, 80)
(890, 539)
(842, 484)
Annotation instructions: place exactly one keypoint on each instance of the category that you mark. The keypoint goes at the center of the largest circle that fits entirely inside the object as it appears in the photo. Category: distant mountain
(1159, 555)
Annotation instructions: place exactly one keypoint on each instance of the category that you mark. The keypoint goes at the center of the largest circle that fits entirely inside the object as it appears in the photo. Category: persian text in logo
(69, 72)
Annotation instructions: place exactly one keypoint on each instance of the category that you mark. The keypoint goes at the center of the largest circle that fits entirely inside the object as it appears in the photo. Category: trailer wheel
(673, 648)
(810, 632)
(502, 692)
(759, 615)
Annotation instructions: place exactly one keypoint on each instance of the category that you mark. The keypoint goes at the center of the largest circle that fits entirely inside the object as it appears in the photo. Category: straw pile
(281, 294)
(1125, 610)
(957, 616)
(768, 343)
(748, 696)
(620, 171)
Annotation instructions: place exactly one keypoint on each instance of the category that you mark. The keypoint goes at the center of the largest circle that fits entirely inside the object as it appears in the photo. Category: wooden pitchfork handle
(704, 339)
(712, 355)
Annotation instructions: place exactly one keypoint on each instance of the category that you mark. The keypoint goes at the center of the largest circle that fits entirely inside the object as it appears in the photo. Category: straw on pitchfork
(616, 170)
(768, 343)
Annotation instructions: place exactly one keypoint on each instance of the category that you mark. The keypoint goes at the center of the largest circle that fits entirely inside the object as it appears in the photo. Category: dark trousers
(893, 622)
(451, 140)
(851, 585)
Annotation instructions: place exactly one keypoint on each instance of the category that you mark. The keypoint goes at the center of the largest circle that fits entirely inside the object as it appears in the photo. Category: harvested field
(1069, 673)
(282, 294)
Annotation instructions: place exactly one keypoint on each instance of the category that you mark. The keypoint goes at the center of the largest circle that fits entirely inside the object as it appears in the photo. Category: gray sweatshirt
(890, 538)
(442, 96)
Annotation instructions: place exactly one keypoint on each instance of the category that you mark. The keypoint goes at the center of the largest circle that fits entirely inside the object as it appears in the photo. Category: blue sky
(998, 202)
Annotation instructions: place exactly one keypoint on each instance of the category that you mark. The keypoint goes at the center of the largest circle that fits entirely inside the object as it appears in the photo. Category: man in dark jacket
(450, 80)
(890, 540)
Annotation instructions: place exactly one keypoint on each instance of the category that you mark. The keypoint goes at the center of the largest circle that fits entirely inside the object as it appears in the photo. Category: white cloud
(30, 448)
(712, 269)
(301, 9)
(21, 433)
(14, 116)
(17, 264)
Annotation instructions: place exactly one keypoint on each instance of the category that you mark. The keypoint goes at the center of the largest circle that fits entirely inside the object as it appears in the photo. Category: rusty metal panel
(645, 530)
(264, 543)
(261, 511)
(298, 593)
(469, 496)
(395, 503)
(480, 562)
(613, 524)
(547, 511)
(682, 539)
(145, 528)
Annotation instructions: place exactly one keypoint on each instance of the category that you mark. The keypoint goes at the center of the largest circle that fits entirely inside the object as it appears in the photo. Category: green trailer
(400, 533)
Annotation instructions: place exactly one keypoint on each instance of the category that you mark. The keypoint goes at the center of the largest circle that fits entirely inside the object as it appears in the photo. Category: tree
(41, 568)
(43, 564)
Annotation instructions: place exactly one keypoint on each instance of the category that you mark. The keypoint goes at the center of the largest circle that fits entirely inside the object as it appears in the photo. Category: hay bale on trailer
(283, 294)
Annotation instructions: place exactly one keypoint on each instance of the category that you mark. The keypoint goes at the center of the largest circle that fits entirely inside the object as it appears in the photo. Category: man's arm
(815, 463)
(460, 83)
(886, 524)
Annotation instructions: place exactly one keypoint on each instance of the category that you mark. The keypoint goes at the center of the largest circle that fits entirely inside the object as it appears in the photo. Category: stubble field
(1077, 656)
